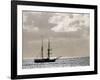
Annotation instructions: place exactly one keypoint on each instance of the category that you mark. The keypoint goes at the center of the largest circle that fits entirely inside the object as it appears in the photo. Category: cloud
(28, 21)
(52, 24)
(30, 29)
(61, 27)
(39, 20)
(69, 22)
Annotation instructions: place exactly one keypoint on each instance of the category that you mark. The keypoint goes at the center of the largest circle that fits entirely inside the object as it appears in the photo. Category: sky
(68, 34)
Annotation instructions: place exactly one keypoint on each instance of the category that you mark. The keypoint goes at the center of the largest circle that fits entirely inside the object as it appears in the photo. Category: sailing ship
(48, 59)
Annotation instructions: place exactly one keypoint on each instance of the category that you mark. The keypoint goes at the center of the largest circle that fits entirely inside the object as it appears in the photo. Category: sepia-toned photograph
(55, 39)
(52, 39)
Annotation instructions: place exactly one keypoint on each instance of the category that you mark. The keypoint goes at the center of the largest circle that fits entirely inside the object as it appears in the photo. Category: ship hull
(44, 60)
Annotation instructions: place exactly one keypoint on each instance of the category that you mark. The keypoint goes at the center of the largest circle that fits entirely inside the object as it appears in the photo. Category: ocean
(63, 62)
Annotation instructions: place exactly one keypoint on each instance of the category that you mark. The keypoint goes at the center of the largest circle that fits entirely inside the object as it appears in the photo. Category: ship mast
(49, 49)
(42, 49)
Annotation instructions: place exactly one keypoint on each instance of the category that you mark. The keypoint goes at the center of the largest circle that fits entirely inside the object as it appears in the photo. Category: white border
(21, 71)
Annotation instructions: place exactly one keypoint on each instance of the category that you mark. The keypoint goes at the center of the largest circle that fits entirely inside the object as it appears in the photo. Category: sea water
(63, 62)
